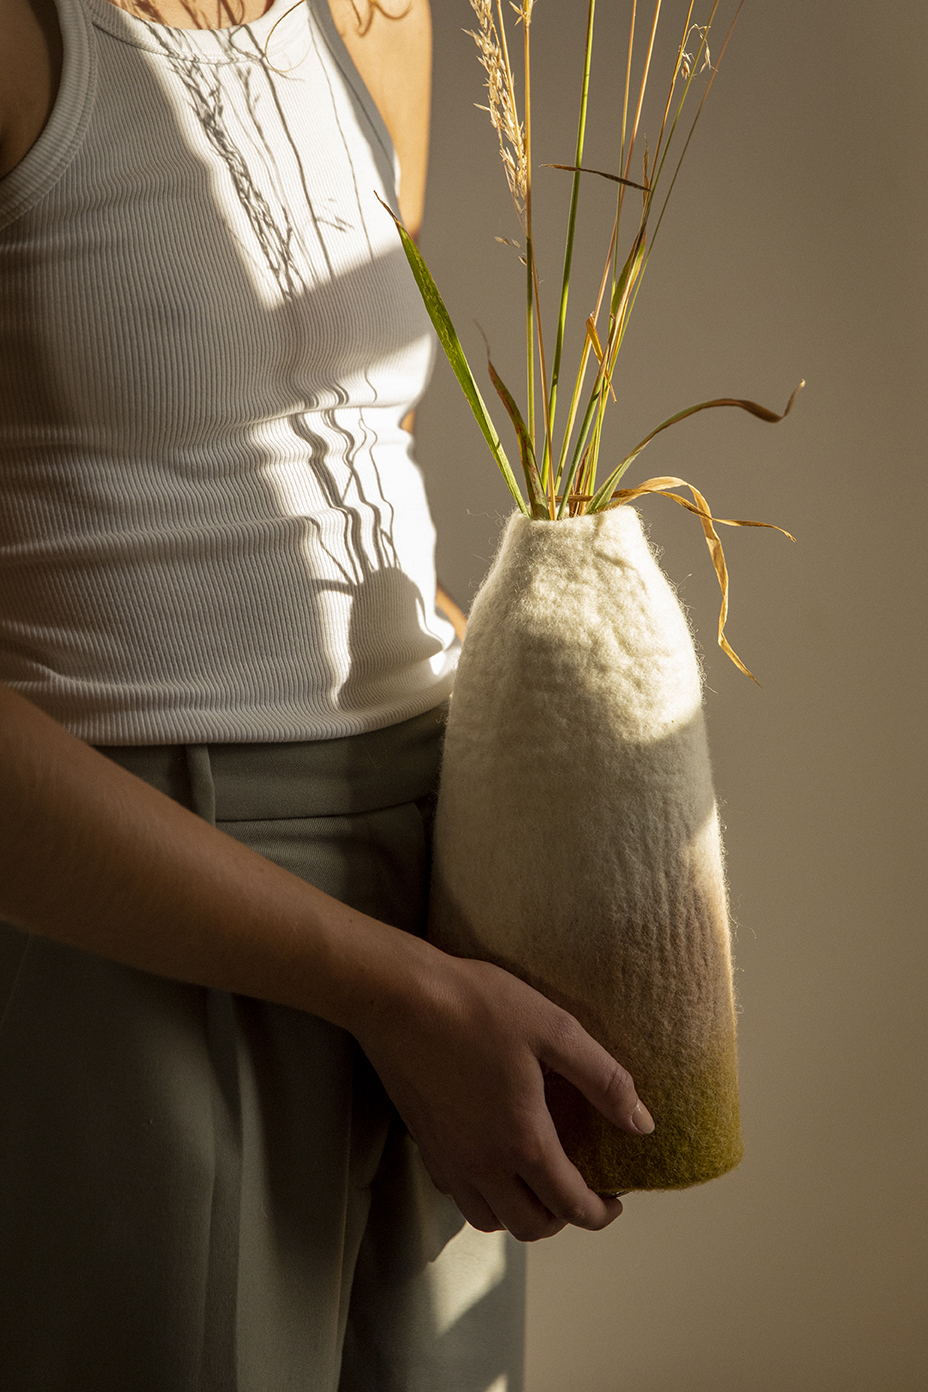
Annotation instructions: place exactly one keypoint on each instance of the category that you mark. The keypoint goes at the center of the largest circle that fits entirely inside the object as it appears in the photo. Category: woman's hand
(464, 1062)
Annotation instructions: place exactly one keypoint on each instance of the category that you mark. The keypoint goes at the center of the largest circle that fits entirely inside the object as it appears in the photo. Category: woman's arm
(30, 70)
(93, 857)
(452, 612)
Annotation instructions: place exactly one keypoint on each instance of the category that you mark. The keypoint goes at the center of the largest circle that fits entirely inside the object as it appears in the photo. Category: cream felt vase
(577, 839)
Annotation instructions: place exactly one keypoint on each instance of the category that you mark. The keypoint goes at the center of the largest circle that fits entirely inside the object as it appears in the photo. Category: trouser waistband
(314, 778)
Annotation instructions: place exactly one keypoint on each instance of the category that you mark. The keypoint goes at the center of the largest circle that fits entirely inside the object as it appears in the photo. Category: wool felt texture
(577, 837)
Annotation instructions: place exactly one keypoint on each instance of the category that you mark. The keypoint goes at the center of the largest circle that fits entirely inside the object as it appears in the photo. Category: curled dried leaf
(597, 347)
(700, 508)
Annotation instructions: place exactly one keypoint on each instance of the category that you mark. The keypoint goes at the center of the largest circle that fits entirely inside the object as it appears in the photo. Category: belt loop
(202, 786)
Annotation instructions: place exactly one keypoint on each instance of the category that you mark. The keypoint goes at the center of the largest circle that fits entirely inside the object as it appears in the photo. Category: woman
(220, 721)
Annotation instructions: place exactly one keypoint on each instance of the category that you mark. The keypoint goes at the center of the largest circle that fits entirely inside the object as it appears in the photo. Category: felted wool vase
(577, 838)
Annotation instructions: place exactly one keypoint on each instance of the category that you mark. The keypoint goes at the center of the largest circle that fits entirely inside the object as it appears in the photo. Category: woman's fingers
(534, 1193)
(464, 1062)
(523, 1213)
(512, 1205)
(483, 1215)
(476, 1210)
(576, 1056)
(534, 1205)
(562, 1191)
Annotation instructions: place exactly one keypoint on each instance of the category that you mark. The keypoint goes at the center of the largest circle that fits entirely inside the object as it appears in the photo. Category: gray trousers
(206, 1193)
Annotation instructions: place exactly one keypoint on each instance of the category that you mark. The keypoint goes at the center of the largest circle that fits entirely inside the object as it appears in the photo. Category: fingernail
(642, 1119)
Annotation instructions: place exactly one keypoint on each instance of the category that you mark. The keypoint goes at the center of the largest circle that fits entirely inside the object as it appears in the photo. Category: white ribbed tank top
(211, 524)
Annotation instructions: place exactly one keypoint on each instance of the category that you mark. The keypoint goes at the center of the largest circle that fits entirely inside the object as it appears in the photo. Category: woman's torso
(214, 526)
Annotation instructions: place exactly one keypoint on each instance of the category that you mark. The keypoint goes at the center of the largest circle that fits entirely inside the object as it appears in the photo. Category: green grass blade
(447, 337)
(631, 272)
(572, 215)
(533, 483)
(596, 403)
(586, 425)
(699, 110)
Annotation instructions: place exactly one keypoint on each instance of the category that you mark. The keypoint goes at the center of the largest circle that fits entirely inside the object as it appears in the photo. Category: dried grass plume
(502, 109)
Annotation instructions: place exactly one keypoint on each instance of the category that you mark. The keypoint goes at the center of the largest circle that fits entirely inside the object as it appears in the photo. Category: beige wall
(795, 248)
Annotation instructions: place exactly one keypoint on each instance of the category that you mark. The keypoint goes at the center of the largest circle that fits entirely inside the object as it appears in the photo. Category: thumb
(609, 1087)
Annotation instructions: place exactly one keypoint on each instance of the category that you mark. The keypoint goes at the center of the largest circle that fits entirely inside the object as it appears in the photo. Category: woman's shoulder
(390, 44)
(30, 71)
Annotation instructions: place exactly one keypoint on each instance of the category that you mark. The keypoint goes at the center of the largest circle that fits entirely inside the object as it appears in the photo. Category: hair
(373, 6)
(364, 23)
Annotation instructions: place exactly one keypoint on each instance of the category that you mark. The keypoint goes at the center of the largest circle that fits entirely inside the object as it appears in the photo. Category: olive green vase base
(696, 1136)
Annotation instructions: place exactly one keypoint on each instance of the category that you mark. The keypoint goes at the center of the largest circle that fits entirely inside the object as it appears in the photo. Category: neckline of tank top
(205, 45)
